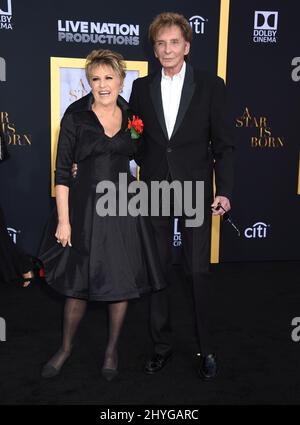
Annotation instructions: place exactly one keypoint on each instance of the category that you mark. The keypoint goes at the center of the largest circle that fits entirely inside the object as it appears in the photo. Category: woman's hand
(63, 234)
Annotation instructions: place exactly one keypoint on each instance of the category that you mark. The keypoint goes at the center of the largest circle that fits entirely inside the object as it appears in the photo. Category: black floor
(254, 305)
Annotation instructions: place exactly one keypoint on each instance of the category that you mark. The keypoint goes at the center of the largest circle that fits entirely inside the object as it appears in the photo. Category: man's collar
(180, 74)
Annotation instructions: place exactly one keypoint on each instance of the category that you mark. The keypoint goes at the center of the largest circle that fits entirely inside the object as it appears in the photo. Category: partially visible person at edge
(87, 256)
(186, 137)
(15, 265)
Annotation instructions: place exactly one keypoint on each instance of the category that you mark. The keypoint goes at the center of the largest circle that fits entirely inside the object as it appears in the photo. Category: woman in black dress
(110, 258)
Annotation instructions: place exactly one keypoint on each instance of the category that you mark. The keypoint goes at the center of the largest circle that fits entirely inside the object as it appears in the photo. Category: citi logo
(13, 233)
(257, 231)
(198, 24)
(265, 20)
(2, 69)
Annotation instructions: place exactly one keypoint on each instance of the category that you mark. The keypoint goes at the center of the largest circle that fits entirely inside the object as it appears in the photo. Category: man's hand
(224, 202)
(30, 276)
(74, 170)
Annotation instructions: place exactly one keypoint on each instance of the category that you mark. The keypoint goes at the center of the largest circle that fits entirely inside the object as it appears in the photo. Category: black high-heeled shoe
(49, 371)
(110, 373)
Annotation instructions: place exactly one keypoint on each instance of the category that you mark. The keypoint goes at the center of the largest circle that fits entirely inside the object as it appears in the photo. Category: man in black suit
(185, 137)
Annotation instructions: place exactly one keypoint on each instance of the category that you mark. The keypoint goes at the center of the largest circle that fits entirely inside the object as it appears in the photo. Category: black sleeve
(3, 147)
(65, 151)
(133, 101)
(134, 105)
(222, 144)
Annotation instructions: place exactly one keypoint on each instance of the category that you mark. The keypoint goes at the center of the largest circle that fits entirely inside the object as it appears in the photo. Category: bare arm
(63, 231)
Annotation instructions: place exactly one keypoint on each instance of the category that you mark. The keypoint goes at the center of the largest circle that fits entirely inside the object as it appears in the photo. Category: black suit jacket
(201, 138)
(3, 146)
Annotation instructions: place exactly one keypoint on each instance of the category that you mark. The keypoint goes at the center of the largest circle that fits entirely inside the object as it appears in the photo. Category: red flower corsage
(135, 126)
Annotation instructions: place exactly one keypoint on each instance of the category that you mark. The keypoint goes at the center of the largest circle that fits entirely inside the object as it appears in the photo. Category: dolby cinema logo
(265, 27)
(6, 15)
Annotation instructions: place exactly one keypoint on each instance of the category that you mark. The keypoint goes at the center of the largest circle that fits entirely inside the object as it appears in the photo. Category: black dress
(113, 257)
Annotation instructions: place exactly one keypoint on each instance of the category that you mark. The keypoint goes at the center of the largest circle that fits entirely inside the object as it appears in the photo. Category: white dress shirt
(171, 88)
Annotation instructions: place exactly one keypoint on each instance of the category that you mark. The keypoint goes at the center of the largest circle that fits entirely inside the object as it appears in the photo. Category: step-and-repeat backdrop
(253, 45)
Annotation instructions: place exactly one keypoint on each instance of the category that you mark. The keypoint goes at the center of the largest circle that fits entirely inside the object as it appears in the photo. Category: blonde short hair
(106, 57)
(167, 19)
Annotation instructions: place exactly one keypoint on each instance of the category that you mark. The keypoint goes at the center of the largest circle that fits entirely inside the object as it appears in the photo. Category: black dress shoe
(157, 362)
(207, 368)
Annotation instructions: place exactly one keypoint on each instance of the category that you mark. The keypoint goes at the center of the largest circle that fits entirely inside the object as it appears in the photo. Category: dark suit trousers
(13, 261)
(196, 244)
